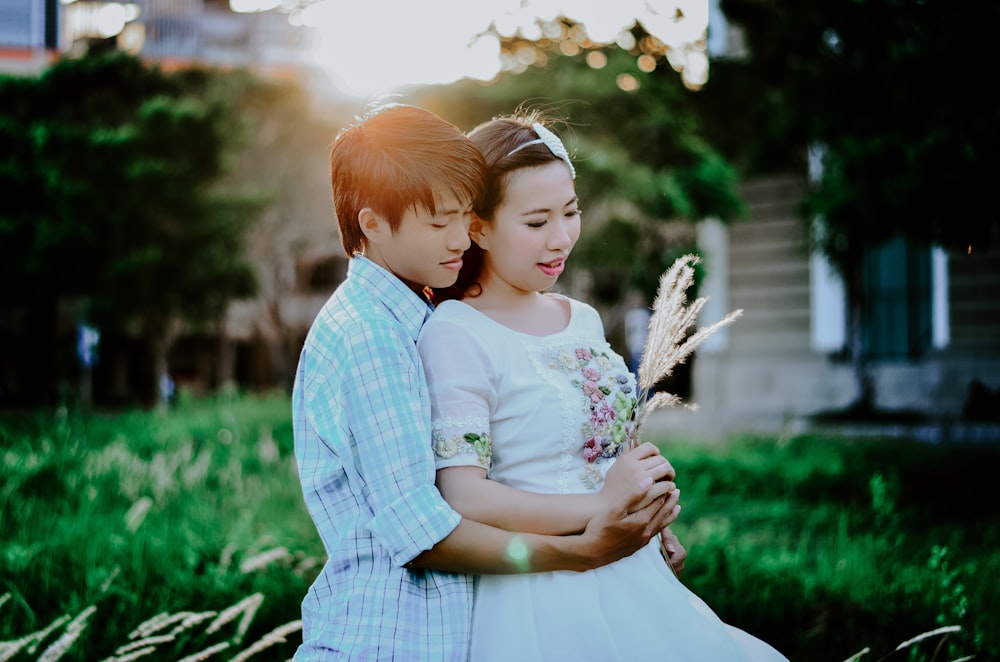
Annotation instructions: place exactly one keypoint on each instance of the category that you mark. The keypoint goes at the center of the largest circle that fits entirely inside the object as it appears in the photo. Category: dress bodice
(541, 413)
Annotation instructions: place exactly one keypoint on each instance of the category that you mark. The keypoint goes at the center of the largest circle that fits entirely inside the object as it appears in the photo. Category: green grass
(821, 546)
(141, 513)
(824, 547)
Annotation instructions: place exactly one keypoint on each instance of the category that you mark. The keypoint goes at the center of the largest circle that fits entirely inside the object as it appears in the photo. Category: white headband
(551, 141)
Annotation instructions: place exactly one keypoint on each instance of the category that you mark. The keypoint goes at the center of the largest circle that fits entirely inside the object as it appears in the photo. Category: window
(898, 323)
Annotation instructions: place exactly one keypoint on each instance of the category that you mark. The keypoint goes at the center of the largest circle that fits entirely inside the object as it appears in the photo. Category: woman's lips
(553, 268)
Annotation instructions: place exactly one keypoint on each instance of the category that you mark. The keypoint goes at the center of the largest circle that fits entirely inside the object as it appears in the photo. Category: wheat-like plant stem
(191, 619)
(656, 401)
(9, 649)
(247, 607)
(73, 631)
(133, 655)
(275, 636)
(668, 343)
(142, 643)
(155, 623)
(202, 655)
(930, 633)
(29, 642)
(34, 641)
(264, 559)
(857, 656)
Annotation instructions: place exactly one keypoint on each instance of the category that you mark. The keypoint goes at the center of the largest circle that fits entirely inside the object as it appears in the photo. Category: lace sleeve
(462, 443)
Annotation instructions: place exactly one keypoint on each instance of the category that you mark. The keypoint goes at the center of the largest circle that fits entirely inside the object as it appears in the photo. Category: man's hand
(622, 530)
(675, 552)
(633, 474)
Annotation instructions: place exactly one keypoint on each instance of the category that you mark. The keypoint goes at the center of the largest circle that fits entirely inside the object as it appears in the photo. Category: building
(933, 338)
(29, 34)
(169, 32)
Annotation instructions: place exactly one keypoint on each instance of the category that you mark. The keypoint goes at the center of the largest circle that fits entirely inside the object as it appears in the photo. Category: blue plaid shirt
(363, 446)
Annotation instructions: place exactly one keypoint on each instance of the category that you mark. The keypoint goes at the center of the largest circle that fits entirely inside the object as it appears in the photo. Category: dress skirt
(634, 609)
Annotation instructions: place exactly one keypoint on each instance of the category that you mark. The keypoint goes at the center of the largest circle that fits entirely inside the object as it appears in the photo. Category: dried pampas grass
(668, 343)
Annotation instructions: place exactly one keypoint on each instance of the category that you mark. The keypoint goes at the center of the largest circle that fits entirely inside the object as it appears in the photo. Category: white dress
(549, 414)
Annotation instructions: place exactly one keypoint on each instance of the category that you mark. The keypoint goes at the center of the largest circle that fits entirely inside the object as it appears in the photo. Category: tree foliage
(108, 166)
(642, 157)
(286, 161)
(895, 93)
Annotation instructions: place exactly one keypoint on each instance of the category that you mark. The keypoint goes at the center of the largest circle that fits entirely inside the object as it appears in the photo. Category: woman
(527, 392)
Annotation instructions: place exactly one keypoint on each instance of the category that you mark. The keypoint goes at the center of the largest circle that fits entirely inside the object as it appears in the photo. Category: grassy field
(146, 535)
(827, 547)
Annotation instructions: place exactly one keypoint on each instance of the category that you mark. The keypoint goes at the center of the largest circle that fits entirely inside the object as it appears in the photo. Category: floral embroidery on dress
(591, 476)
(610, 400)
(470, 442)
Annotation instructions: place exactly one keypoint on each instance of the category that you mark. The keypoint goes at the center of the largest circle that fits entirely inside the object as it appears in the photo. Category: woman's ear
(477, 231)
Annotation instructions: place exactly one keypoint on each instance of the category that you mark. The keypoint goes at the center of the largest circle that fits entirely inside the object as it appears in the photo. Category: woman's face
(533, 230)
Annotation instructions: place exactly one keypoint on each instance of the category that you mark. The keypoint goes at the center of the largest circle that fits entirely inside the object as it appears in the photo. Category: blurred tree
(283, 160)
(111, 164)
(893, 98)
(641, 155)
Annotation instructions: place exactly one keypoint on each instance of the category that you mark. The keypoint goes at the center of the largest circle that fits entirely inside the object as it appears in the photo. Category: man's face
(427, 249)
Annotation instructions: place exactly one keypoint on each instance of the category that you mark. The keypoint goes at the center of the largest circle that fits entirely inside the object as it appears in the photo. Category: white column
(718, 28)
(713, 243)
(828, 306)
(940, 319)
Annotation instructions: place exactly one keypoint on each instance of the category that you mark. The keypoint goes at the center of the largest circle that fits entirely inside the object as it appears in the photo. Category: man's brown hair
(395, 158)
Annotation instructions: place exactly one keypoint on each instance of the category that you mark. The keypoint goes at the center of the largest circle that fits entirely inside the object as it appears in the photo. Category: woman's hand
(674, 551)
(634, 473)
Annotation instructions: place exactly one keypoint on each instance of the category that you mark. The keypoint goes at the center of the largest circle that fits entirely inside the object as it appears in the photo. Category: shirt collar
(392, 294)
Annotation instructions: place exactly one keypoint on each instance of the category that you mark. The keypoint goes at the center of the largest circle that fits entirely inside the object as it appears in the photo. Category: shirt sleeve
(460, 380)
(384, 395)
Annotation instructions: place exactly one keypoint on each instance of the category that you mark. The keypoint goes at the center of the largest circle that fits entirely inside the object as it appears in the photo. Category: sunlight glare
(365, 54)
(695, 72)
(673, 29)
(111, 19)
(375, 47)
(604, 20)
(251, 6)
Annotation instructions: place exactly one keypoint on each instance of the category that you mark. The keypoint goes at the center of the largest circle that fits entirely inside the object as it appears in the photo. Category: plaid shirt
(363, 447)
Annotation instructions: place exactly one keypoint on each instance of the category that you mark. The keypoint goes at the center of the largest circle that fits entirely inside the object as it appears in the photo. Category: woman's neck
(499, 296)
(527, 312)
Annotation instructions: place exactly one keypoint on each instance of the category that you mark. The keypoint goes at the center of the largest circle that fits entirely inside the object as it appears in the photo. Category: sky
(372, 47)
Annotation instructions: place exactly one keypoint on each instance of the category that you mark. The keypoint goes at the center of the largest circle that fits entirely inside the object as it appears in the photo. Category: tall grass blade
(200, 656)
(73, 631)
(927, 635)
(276, 636)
